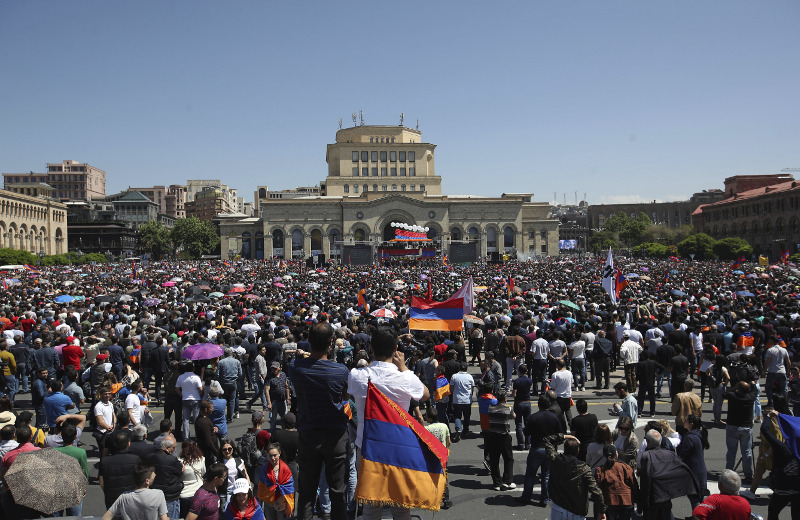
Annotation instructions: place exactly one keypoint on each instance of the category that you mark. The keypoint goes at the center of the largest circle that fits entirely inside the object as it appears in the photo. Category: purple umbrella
(203, 351)
(151, 302)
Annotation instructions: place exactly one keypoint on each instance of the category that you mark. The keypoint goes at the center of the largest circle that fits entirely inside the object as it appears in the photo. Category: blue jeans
(537, 458)
(559, 513)
(72, 511)
(522, 410)
(190, 411)
(259, 393)
(174, 509)
(352, 479)
(22, 376)
(462, 411)
(772, 379)
(757, 404)
(324, 497)
(11, 385)
(278, 407)
(664, 375)
(539, 374)
(579, 369)
(739, 437)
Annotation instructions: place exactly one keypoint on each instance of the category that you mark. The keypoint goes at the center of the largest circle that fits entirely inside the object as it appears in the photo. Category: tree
(701, 245)
(16, 257)
(732, 248)
(194, 236)
(602, 240)
(652, 250)
(155, 238)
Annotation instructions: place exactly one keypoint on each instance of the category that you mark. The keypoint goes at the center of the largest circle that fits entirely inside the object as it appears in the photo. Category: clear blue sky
(621, 100)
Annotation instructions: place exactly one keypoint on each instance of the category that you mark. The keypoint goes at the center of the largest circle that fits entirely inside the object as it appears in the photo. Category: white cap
(241, 486)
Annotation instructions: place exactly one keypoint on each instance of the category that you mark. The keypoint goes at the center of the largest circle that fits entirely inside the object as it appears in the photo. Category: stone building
(378, 175)
(35, 222)
(766, 213)
(70, 180)
(671, 214)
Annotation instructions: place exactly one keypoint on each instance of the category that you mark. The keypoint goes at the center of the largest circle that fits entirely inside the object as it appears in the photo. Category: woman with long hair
(718, 378)
(594, 452)
(194, 471)
(243, 506)
(690, 450)
(625, 441)
(229, 455)
(276, 485)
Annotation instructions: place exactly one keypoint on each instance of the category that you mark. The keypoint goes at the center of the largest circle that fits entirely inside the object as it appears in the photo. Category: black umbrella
(198, 298)
(194, 290)
(104, 298)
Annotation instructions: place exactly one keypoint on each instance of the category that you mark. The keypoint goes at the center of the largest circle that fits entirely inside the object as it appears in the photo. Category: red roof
(752, 194)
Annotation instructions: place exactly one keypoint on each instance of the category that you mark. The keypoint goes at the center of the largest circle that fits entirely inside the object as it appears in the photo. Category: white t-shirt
(561, 383)
(577, 348)
(107, 411)
(400, 387)
(133, 404)
(190, 384)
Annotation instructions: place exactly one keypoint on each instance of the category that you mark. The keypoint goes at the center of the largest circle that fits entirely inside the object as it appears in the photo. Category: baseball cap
(258, 416)
(626, 334)
(241, 486)
(275, 364)
(102, 357)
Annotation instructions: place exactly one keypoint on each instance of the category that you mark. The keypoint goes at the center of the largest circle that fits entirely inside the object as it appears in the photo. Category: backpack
(248, 450)
(740, 371)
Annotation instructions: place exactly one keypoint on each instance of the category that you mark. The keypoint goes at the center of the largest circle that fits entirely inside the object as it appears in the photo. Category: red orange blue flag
(620, 283)
(402, 463)
(442, 388)
(430, 315)
(785, 257)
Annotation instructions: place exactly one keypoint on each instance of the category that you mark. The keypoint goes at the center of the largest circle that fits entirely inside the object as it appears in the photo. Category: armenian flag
(442, 388)
(226, 263)
(270, 489)
(620, 282)
(431, 315)
(784, 257)
(510, 285)
(402, 463)
(738, 263)
(33, 270)
(133, 270)
(745, 339)
(362, 296)
(790, 429)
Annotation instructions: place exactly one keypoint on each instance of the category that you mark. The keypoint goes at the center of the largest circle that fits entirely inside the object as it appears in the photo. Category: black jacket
(663, 477)
(117, 473)
(168, 474)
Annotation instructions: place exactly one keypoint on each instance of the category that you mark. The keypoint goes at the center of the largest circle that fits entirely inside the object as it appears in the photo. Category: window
(394, 172)
(374, 156)
(355, 156)
(364, 171)
(355, 171)
(392, 139)
(422, 188)
(370, 139)
(392, 155)
(544, 249)
(355, 188)
(402, 172)
(383, 155)
(413, 187)
(346, 188)
(411, 156)
(412, 172)
(543, 235)
(402, 187)
(374, 187)
(364, 156)
(374, 172)
(532, 234)
(402, 157)
(394, 187)
(366, 188)
(383, 188)
(383, 171)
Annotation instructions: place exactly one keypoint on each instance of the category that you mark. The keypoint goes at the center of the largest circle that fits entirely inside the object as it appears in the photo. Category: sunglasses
(624, 429)
(227, 449)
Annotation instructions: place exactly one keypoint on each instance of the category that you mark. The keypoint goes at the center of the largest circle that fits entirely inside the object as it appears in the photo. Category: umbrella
(64, 298)
(676, 292)
(764, 275)
(69, 282)
(738, 272)
(645, 277)
(80, 297)
(293, 274)
(124, 298)
(204, 287)
(216, 294)
(104, 298)
(278, 284)
(203, 351)
(745, 293)
(645, 269)
(238, 285)
(194, 290)
(471, 318)
(752, 275)
(631, 275)
(779, 268)
(236, 289)
(287, 277)
(46, 480)
(168, 284)
(569, 304)
(384, 313)
(176, 279)
(197, 298)
(252, 297)
(151, 302)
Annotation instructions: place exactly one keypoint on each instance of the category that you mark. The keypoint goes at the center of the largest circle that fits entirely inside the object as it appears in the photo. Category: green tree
(732, 248)
(700, 244)
(617, 222)
(652, 250)
(16, 257)
(602, 240)
(155, 238)
(194, 236)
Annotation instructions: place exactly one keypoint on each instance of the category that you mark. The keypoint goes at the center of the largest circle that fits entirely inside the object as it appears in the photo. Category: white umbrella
(384, 313)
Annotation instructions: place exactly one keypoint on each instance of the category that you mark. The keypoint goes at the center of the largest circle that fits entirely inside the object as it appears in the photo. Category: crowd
(292, 349)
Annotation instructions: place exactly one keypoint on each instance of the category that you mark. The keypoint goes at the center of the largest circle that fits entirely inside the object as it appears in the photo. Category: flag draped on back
(784, 257)
(790, 428)
(431, 315)
(510, 285)
(133, 271)
(362, 296)
(467, 292)
(442, 388)
(609, 278)
(402, 463)
(620, 282)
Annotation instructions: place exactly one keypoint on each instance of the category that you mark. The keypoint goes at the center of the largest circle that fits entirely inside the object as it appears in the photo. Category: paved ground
(470, 485)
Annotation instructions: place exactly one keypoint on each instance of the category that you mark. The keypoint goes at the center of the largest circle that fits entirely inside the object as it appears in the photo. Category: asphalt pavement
(470, 485)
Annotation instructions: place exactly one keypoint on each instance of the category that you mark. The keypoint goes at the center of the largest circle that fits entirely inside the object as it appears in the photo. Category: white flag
(608, 278)
(468, 293)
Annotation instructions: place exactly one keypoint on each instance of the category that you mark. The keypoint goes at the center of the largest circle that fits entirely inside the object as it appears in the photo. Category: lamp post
(41, 256)
(231, 254)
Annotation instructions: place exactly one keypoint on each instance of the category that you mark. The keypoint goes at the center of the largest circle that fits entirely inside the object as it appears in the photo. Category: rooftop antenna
(576, 197)
(584, 196)
(565, 199)
(791, 170)
(417, 123)
(555, 198)
(402, 116)
(361, 117)
(340, 123)
(355, 118)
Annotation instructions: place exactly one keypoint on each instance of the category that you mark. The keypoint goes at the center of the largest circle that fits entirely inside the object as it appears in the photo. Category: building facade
(171, 200)
(70, 180)
(345, 213)
(230, 195)
(34, 223)
(671, 214)
(767, 217)
(208, 203)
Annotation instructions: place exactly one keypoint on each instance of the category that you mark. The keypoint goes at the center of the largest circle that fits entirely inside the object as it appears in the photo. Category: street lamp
(41, 256)
(231, 254)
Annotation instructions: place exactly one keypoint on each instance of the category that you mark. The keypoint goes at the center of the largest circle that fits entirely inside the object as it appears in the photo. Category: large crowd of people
(288, 350)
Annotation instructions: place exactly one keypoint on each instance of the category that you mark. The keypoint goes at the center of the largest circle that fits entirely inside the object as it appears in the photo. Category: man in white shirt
(133, 404)
(777, 362)
(561, 384)
(629, 354)
(462, 385)
(391, 376)
(540, 349)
